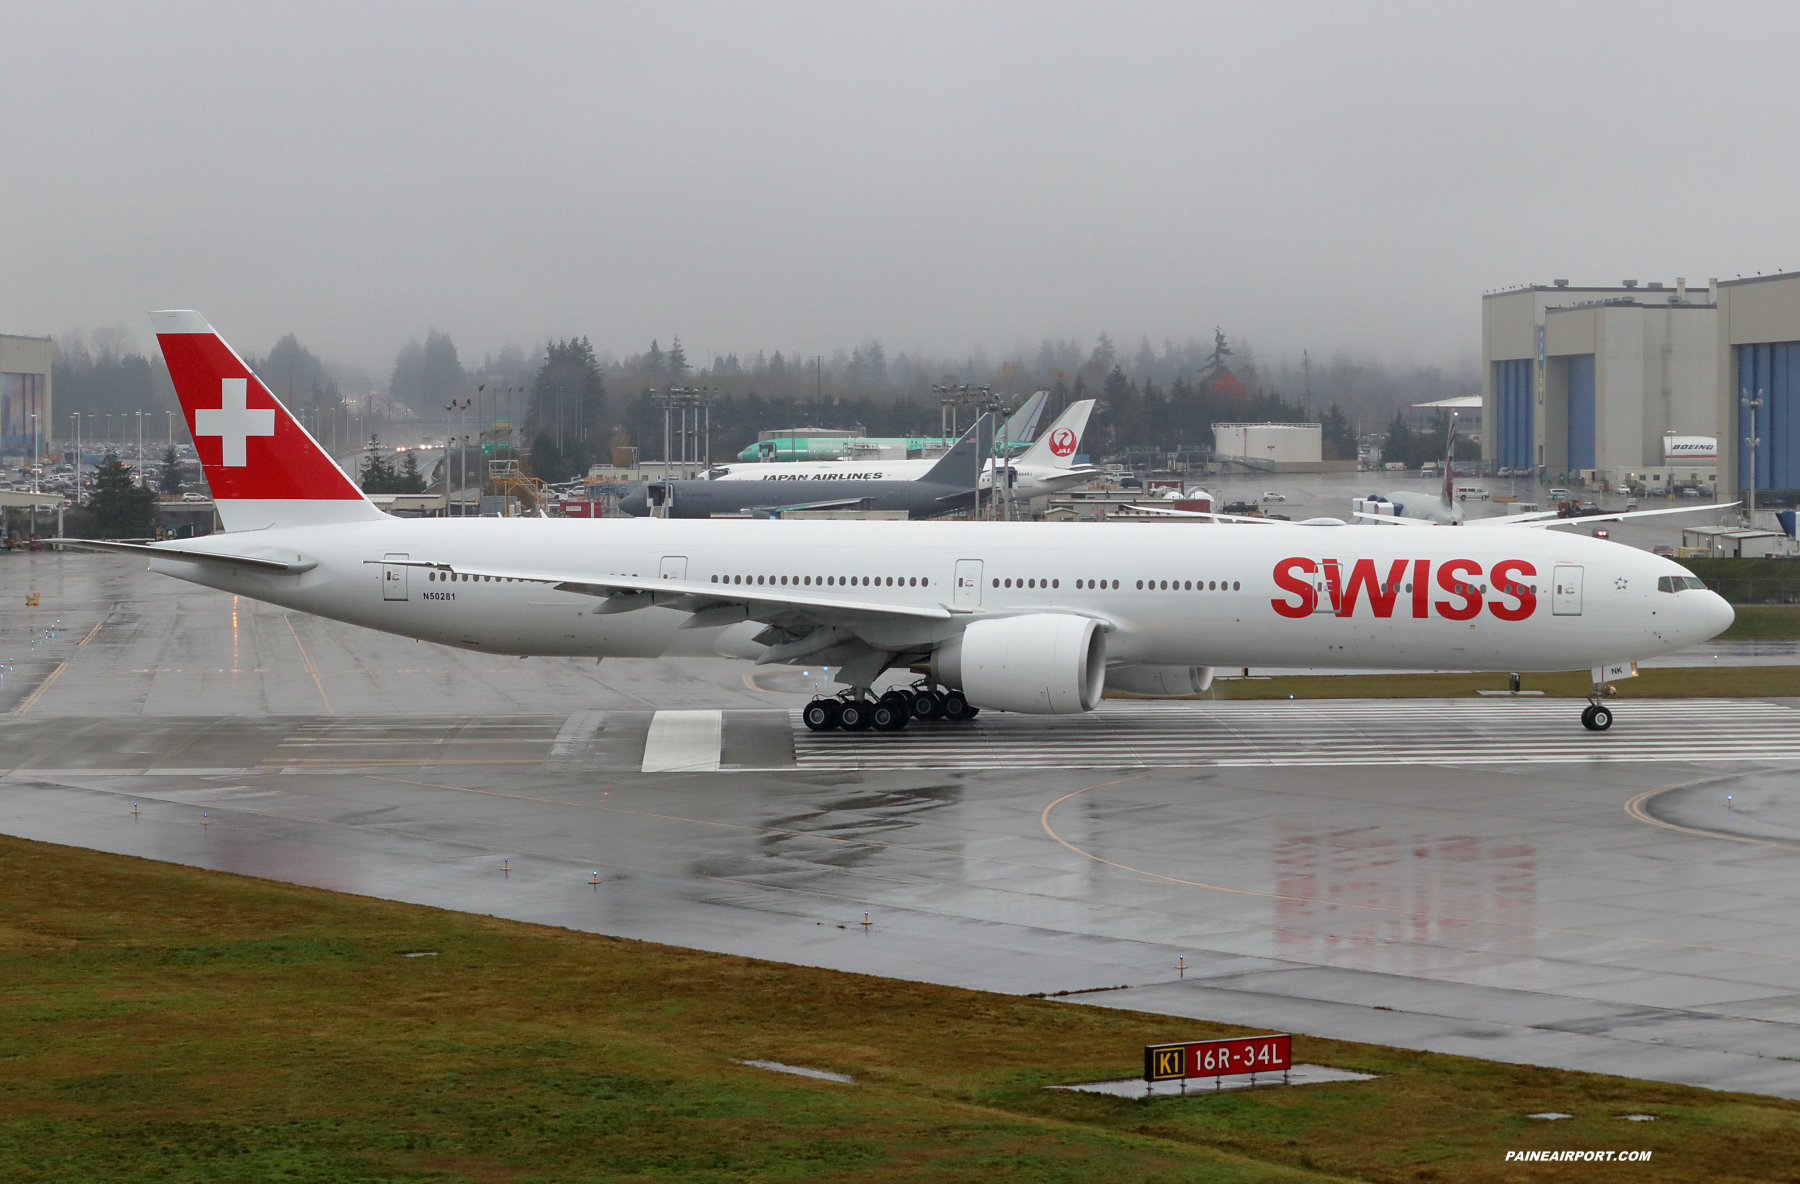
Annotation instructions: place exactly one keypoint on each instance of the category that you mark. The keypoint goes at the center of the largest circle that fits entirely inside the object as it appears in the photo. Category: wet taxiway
(1472, 877)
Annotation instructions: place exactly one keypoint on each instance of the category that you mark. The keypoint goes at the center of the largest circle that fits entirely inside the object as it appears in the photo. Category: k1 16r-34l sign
(1218, 1058)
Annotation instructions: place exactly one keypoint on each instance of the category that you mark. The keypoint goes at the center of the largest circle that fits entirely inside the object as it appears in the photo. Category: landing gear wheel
(821, 715)
(1596, 718)
(889, 714)
(855, 715)
(956, 708)
(926, 705)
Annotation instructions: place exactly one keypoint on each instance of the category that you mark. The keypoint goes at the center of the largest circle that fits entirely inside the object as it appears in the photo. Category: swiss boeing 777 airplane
(1012, 616)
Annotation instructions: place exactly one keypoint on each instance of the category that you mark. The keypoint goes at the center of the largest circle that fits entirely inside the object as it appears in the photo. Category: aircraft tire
(889, 714)
(956, 709)
(926, 705)
(1597, 718)
(855, 716)
(821, 715)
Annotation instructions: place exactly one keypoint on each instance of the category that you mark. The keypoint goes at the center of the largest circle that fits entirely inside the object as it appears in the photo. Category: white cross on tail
(234, 422)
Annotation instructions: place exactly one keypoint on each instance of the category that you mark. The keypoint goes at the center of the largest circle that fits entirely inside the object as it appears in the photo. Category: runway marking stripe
(1281, 733)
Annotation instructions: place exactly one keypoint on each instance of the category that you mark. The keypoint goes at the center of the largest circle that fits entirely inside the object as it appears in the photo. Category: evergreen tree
(547, 461)
(677, 361)
(120, 506)
(1398, 447)
(1105, 354)
(169, 476)
(566, 400)
(378, 475)
(411, 480)
(1339, 439)
(440, 371)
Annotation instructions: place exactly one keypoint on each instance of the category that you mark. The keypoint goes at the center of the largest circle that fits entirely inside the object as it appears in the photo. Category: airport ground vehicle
(1026, 617)
(1272, 496)
(1558, 493)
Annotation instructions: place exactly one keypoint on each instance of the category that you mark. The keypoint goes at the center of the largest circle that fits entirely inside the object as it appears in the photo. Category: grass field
(161, 1023)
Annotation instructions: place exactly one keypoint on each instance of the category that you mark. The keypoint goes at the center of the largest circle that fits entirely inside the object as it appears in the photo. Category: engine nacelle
(1160, 682)
(1040, 664)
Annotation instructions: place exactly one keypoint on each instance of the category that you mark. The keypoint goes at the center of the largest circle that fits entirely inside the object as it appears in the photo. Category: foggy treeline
(570, 404)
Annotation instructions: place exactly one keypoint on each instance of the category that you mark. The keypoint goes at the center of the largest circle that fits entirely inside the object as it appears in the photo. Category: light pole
(140, 451)
(1753, 440)
(449, 434)
(36, 453)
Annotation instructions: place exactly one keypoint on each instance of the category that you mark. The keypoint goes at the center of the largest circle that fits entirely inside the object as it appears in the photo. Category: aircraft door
(968, 583)
(393, 577)
(1565, 600)
(674, 567)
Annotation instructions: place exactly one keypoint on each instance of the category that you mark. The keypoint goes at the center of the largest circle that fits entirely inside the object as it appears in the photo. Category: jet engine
(1160, 682)
(1039, 664)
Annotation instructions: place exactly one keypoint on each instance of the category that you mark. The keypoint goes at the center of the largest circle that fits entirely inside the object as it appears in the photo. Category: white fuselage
(1029, 481)
(1235, 594)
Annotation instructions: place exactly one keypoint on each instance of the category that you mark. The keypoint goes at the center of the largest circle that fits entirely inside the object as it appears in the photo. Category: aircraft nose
(636, 503)
(1712, 614)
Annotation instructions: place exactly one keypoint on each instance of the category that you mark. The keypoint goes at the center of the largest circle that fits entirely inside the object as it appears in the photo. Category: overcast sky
(939, 176)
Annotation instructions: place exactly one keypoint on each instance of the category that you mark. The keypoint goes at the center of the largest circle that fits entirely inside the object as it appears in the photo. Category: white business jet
(1013, 616)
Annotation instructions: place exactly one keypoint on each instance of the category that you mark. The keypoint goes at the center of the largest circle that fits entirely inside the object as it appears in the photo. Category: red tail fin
(263, 467)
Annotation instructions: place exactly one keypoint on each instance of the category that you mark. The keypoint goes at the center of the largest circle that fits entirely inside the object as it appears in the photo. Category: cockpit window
(1679, 583)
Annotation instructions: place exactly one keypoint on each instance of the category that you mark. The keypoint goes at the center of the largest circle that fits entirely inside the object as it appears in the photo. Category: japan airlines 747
(1029, 617)
(1047, 467)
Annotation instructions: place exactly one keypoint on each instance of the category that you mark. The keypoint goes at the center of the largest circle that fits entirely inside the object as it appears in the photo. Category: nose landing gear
(1598, 717)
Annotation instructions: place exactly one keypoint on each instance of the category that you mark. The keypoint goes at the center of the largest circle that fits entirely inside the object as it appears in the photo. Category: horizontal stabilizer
(162, 551)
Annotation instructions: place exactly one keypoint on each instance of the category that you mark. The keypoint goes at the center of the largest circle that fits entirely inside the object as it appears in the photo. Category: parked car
(1272, 496)
(1240, 508)
(1130, 483)
(1664, 550)
(1558, 494)
(1703, 490)
(1689, 491)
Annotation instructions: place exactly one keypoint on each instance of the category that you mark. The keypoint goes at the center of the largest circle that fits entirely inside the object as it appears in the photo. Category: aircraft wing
(643, 591)
(841, 503)
(861, 635)
(165, 551)
(1549, 518)
(1170, 512)
(1543, 518)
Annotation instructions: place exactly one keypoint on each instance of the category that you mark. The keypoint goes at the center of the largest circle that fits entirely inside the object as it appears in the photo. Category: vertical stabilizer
(1056, 448)
(263, 468)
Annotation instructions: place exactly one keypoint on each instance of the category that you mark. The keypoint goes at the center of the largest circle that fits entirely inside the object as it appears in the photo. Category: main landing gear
(853, 711)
